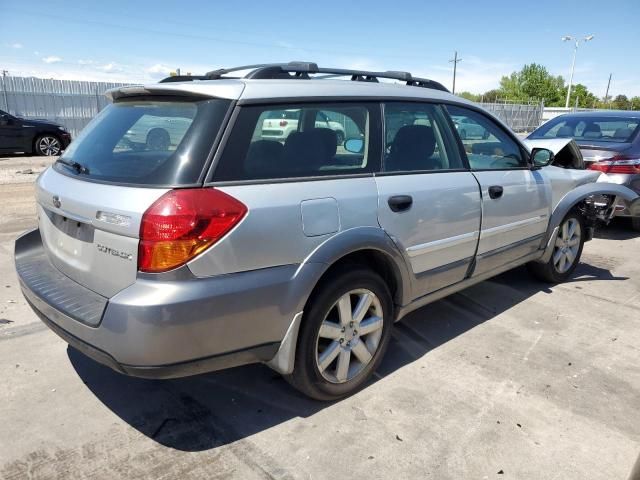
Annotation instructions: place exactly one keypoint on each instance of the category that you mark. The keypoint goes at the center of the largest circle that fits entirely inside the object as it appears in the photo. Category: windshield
(146, 142)
(590, 129)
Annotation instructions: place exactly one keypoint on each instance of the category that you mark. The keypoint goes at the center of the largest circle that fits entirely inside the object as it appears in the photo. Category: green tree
(585, 98)
(469, 96)
(635, 103)
(533, 82)
(621, 102)
(491, 96)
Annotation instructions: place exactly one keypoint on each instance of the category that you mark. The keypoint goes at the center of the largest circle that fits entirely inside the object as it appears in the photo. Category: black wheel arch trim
(574, 197)
(361, 239)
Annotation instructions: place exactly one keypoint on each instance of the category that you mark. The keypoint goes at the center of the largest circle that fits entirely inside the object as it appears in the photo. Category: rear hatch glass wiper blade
(78, 167)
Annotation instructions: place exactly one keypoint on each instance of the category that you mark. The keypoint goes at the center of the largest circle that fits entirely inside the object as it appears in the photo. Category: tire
(463, 134)
(566, 252)
(47, 145)
(635, 223)
(339, 344)
(340, 138)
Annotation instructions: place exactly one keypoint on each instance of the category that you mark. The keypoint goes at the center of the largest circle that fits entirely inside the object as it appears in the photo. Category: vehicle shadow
(206, 411)
(618, 229)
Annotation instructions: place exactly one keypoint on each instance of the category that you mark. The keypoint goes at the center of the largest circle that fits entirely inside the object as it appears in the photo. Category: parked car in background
(41, 137)
(278, 125)
(158, 129)
(468, 128)
(231, 248)
(609, 141)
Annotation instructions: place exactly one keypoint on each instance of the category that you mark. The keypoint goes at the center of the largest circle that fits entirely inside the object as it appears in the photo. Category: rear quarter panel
(275, 231)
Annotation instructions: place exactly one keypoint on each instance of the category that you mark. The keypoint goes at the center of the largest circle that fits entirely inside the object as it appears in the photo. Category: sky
(142, 41)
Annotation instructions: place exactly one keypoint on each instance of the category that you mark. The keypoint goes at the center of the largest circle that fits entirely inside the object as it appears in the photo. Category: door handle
(400, 203)
(495, 191)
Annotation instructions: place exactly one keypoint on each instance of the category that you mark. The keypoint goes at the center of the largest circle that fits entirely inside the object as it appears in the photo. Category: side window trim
(523, 151)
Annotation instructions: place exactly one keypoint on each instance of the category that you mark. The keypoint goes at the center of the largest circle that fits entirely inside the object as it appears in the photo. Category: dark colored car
(609, 141)
(41, 137)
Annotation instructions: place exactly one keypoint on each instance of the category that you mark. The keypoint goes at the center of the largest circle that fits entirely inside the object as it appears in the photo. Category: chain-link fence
(71, 103)
(520, 117)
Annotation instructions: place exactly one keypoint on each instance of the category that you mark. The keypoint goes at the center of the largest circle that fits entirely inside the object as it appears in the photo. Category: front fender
(575, 196)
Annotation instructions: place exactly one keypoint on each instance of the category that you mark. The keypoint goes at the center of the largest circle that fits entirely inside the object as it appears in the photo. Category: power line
(195, 36)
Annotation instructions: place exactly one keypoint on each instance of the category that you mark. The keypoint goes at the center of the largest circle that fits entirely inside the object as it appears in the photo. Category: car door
(429, 203)
(11, 133)
(515, 198)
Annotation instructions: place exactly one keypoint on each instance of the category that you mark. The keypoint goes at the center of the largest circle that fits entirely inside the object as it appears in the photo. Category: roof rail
(301, 70)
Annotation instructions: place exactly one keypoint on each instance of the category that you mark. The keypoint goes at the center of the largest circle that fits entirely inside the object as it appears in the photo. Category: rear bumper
(172, 325)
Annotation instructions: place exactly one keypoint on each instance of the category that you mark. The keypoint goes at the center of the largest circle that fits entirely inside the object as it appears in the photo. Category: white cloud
(51, 59)
(16, 45)
(85, 62)
(159, 69)
(110, 67)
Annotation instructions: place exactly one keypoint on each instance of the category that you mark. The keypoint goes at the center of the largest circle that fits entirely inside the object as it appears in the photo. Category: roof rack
(301, 70)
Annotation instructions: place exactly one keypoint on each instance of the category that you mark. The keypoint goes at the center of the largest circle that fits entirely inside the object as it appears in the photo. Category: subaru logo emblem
(56, 201)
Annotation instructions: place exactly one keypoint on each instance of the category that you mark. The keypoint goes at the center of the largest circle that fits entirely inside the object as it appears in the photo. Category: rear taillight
(617, 164)
(283, 123)
(183, 223)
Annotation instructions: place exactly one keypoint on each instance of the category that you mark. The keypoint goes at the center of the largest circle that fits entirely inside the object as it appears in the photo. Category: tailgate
(90, 230)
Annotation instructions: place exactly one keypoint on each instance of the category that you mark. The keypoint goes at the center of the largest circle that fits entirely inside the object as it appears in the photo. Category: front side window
(298, 141)
(417, 138)
(488, 147)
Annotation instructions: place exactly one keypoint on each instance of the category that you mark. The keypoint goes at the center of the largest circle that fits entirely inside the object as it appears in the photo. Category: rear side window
(487, 145)
(147, 142)
(418, 138)
(269, 142)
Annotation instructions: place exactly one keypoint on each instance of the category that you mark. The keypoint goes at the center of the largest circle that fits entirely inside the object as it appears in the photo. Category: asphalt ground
(508, 379)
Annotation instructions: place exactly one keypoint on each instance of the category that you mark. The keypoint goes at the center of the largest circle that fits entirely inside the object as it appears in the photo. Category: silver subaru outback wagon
(176, 236)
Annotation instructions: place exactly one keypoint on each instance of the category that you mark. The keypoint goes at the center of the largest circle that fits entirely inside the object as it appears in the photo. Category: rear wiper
(78, 167)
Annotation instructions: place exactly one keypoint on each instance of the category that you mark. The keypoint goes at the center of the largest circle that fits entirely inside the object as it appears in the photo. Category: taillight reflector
(617, 164)
(183, 223)
(283, 123)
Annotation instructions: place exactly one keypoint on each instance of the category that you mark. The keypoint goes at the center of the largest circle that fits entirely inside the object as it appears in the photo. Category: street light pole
(568, 38)
(455, 61)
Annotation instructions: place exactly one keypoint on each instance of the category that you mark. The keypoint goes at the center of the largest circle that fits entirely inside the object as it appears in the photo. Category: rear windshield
(590, 129)
(147, 142)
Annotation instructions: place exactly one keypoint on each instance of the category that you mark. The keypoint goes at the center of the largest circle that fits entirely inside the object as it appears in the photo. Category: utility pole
(4, 90)
(455, 61)
(606, 95)
(568, 38)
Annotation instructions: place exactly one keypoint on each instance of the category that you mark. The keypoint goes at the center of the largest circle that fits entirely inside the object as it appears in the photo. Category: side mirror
(541, 157)
(354, 145)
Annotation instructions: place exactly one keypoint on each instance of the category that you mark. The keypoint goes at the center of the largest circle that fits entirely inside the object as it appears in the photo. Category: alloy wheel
(49, 145)
(349, 336)
(567, 245)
